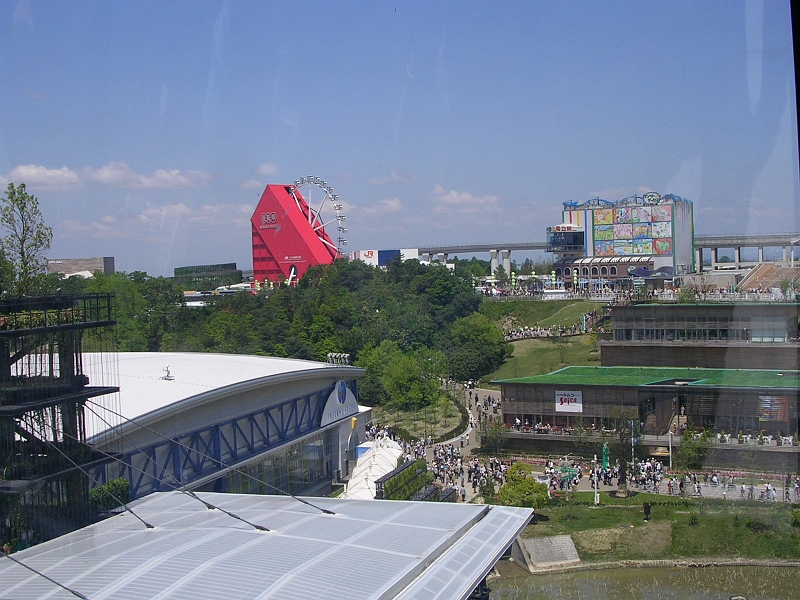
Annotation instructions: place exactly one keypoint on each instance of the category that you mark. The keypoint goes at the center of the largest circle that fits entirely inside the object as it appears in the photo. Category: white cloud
(251, 184)
(392, 178)
(267, 169)
(120, 174)
(157, 224)
(381, 207)
(114, 173)
(36, 176)
(450, 201)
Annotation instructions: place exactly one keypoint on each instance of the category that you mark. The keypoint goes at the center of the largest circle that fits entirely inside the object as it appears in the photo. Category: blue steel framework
(195, 455)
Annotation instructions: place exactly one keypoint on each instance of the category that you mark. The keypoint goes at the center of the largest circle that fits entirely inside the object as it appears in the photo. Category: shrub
(111, 495)
(796, 517)
(757, 526)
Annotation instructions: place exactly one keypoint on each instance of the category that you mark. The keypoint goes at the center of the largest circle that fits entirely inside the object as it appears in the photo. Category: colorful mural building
(598, 241)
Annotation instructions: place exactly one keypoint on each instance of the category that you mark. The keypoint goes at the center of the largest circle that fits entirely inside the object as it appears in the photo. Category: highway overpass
(500, 253)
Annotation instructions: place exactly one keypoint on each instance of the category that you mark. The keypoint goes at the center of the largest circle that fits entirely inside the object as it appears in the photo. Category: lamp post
(596, 491)
(633, 441)
(670, 448)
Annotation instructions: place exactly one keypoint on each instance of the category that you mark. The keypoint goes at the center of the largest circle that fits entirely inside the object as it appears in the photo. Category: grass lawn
(569, 314)
(710, 529)
(530, 313)
(538, 356)
(419, 423)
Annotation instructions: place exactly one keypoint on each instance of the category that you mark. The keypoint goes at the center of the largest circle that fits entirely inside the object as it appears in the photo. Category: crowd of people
(587, 323)
(488, 405)
(453, 467)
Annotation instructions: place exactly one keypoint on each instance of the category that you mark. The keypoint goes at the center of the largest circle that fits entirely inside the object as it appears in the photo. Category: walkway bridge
(500, 253)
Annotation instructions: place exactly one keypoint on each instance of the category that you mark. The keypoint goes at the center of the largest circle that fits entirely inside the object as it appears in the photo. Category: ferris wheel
(321, 212)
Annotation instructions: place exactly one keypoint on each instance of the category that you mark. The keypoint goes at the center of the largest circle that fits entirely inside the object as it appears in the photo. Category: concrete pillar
(761, 254)
(714, 258)
(792, 264)
(784, 254)
(426, 257)
(737, 256)
(495, 262)
(442, 257)
(698, 260)
(505, 256)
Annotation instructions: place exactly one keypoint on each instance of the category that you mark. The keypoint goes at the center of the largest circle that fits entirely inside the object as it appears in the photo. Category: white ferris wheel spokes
(327, 212)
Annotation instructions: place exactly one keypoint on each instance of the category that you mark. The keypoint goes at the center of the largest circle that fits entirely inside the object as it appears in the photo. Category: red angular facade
(288, 237)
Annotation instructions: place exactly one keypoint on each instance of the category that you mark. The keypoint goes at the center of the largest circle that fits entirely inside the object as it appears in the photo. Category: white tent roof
(375, 463)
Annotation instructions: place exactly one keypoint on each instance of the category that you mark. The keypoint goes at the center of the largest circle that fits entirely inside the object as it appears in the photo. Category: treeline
(409, 325)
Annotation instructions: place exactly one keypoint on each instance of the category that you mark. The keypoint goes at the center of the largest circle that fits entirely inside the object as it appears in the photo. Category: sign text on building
(571, 402)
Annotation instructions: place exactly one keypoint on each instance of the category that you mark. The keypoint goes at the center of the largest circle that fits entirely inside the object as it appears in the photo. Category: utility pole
(670, 448)
(633, 461)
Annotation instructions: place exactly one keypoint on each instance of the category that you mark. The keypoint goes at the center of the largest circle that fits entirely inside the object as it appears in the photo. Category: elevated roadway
(713, 242)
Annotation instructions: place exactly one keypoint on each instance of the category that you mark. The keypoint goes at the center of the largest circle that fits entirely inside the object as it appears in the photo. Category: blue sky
(148, 130)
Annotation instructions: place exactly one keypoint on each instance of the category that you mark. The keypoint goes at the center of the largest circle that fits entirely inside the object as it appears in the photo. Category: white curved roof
(196, 379)
(144, 389)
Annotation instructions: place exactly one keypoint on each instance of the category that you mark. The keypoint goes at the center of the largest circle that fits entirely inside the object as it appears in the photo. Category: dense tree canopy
(410, 325)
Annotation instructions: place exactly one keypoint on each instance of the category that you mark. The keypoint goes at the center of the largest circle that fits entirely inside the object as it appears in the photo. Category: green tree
(561, 343)
(231, 333)
(372, 391)
(475, 346)
(6, 273)
(500, 275)
(487, 491)
(129, 309)
(466, 269)
(521, 488)
(620, 445)
(690, 453)
(162, 301)
(493, 437)
(527, 267)
(26, 242)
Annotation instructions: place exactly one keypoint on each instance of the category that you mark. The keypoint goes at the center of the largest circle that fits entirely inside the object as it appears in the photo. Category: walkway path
(473, 444)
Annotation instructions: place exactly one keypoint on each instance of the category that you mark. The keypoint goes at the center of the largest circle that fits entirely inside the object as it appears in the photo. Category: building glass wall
(292, 469)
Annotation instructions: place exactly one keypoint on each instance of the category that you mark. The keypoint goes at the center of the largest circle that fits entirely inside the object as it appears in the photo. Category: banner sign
(340, 404)
(571, 402)
(773, 408)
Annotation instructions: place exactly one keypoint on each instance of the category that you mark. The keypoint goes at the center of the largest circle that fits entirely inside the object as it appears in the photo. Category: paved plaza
(707, 490)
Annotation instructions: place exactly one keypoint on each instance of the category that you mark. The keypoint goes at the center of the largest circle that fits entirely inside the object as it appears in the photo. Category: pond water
(754, 583)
